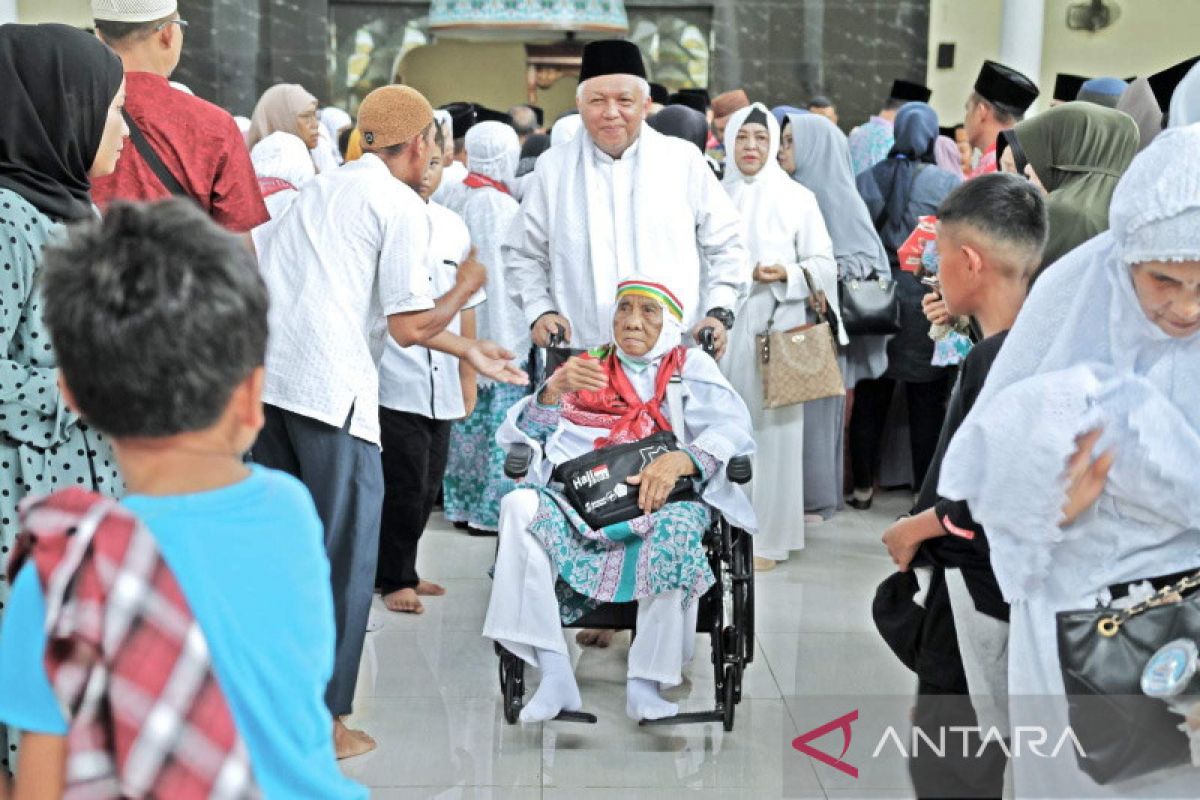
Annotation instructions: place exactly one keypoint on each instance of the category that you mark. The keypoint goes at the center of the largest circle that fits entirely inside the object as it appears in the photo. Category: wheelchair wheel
(512, 685)
(730, 700)
(743, 594)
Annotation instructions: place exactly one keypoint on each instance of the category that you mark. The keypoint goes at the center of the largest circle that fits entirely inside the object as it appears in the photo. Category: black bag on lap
(595, 483)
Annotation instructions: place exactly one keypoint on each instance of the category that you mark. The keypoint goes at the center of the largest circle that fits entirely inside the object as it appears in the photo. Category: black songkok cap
(659, 94)
(756, 116)
(1000, 84)
(703, 94)
(485, 114)
(1067, 86)
(689, 99)
(1163, 83)
(463, 116)
(910, 92)
(611, 57)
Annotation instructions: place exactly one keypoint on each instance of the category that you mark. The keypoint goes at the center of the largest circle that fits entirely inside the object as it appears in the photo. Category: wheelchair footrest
(686, 718)
(576, 716)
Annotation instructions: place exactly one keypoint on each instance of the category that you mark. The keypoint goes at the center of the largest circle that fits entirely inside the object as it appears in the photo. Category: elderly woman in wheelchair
(629, 445)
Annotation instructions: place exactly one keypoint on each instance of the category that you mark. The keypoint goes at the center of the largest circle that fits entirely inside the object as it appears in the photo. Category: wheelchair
(726, 613)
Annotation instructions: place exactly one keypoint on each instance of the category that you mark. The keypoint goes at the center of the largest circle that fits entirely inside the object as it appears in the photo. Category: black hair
(344, 140)
(1005, 114)
(820, 101)
(156, 315)
(1004, 207)
(393, 150)
(128, 32)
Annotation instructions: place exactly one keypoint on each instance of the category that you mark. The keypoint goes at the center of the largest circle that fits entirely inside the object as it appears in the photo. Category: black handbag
(595, 483)
(1102, 653)
(869, 306)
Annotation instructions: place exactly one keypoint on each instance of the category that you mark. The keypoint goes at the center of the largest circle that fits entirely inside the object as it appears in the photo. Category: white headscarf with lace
(1082, 355)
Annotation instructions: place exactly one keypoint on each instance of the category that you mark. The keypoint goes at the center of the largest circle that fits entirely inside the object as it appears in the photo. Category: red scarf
(477, 181)
(617, 406)
(270, 186)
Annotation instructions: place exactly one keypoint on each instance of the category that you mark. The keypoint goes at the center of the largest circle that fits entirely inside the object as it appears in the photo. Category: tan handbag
(800, 364)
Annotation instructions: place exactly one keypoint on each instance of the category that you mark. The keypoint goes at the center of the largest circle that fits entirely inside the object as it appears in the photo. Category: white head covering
(566, 129)
(1083, 354)
(671, 334)
(770, 202)
(333, 119)
(284, 156)
(493, 150)
(132, 10)
(1185, 103)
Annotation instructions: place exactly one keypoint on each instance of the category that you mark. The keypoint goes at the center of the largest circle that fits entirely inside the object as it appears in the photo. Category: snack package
(913, 249)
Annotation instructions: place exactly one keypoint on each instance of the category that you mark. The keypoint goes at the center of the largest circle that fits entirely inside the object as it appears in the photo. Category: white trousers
(523, 612)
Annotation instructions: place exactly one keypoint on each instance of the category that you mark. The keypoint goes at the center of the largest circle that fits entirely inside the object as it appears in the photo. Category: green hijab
(1079, 151)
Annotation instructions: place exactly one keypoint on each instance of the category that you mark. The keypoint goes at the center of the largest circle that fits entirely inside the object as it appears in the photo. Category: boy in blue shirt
(159, 320)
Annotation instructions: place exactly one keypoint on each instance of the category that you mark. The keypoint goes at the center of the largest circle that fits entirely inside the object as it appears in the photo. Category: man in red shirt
(999, 101)
(181, 145)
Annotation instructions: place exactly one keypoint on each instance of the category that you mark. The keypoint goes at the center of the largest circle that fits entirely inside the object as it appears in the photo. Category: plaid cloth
(127, 660)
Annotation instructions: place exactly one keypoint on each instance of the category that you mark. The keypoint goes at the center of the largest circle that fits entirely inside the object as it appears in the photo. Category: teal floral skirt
(652, 554)
(474, 482)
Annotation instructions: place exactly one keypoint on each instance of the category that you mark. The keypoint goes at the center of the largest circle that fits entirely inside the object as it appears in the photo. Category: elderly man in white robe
(621, 199)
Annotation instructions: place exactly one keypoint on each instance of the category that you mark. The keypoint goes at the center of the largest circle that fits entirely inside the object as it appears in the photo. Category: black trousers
(926, 411)
(414, 460)
(978, 775)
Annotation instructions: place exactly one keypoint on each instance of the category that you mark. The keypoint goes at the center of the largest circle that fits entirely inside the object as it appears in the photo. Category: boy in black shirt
(991, 231)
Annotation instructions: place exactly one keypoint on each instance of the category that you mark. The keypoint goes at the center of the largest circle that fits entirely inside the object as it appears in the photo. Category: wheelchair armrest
(516, 463)
(739, 469)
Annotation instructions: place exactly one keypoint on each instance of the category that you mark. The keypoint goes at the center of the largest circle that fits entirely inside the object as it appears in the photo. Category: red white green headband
(655, 291)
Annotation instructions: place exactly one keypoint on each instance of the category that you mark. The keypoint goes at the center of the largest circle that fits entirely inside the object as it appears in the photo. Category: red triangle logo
(842, 723)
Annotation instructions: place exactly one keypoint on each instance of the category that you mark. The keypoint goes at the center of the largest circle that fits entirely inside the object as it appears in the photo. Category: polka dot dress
(43, 445)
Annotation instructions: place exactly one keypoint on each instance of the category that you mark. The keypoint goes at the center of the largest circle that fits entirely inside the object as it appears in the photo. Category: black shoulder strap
(152, 160)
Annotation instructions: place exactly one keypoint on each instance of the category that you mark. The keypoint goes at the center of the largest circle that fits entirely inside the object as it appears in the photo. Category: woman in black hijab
(61, 93)
(898, 190)
(684, 123)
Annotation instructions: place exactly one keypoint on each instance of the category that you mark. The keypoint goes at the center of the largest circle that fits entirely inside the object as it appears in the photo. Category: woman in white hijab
(472, 494)
(786, 235)
(283, 165)
(1105, 356)
(1185, 102)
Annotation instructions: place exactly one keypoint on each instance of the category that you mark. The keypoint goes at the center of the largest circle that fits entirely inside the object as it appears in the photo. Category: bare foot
(430, 589)
(591, 637)
(348, 743)
(404, 601)
(764, 564)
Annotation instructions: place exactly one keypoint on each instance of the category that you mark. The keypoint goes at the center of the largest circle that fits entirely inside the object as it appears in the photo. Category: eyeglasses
(182, 23)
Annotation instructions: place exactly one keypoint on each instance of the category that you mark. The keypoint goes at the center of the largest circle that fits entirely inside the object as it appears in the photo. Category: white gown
(783, 225)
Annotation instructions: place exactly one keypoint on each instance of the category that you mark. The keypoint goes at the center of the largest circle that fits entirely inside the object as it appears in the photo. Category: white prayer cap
(132, 10)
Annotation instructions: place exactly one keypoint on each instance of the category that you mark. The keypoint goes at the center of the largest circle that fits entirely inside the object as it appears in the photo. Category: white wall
(70, 12)
(1148, 36)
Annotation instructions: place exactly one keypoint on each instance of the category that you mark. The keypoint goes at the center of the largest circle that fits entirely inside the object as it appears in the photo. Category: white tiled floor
(428, 690)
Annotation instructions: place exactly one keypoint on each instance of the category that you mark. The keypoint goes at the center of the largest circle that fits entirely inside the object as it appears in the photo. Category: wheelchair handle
(707, 343)
(739, 469)
(557, 338)
(516, 463)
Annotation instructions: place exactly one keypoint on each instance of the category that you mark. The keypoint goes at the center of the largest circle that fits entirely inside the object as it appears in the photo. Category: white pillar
(8, 11)
(1022, 28)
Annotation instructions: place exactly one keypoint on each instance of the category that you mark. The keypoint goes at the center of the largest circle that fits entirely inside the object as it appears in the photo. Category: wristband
(722, 315)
